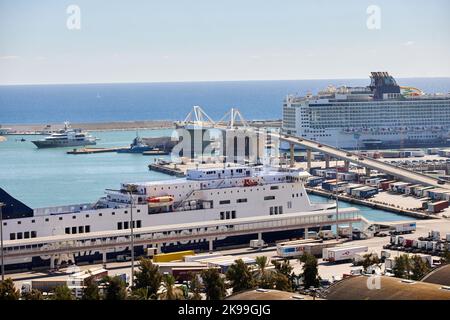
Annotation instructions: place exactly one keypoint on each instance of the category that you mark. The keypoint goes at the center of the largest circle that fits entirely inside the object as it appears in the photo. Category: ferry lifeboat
(160, 201)
(250, 183)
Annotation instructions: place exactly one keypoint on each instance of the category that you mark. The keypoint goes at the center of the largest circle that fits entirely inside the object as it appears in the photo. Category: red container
(408, 243)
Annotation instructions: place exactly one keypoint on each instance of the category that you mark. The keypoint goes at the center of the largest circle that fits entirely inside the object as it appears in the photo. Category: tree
(195, 287)
(62, 293)
(140, 294)
(8, 291)
(170, 292)
(240, 276)
(91, 291)
(262, 276)
(148, 277)
(446, 256)
(402, 266)
(419, 267)
(34, 294)
(310, 270)
(214, 284)
(369, 260)
(284, 278)
(115, 288)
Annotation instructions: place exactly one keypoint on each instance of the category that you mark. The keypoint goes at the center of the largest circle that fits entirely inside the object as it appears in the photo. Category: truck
(339, 254)
(257, 244)
(326, 234)
(290, 249)
(404, 227)
(345, 231)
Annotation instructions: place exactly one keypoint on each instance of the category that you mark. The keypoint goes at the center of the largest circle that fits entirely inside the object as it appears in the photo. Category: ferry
(212, 194)
(66, 137)
(379, 116)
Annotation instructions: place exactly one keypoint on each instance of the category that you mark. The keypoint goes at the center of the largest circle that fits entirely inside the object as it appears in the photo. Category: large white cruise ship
(381, 115)
(224, 193)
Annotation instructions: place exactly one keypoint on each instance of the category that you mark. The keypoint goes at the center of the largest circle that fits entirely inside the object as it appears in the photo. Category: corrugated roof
(390, 288)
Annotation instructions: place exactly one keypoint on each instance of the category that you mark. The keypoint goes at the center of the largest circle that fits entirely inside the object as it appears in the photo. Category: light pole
(132, 236)
(1, 240)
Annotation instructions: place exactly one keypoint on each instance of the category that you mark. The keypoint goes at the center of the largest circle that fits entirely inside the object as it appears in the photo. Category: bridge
(363, 161)
(53, 247)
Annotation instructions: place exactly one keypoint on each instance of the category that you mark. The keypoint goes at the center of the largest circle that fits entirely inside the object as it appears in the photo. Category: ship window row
(269, 198)
(126, 224)
(276, 210)
(294, 195)
(225, 215)
(175, 187)
(22, 235)
(77, 229)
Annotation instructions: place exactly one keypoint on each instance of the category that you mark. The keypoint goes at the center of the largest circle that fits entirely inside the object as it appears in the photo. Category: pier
(95, 150)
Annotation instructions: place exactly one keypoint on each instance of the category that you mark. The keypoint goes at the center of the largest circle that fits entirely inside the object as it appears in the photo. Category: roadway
(400, 173)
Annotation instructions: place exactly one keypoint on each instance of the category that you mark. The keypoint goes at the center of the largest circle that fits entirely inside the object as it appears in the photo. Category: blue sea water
(164, 101)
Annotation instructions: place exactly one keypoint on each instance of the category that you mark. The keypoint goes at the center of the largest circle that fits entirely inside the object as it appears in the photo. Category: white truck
(326, 234)
(404, 227)
(257, 244)
(338, 254)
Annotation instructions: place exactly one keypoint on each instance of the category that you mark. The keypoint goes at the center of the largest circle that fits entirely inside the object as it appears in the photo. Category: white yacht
(66, 137)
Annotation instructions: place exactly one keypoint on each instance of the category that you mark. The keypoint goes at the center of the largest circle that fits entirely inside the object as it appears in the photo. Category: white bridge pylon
(199, 117)
(235, 117)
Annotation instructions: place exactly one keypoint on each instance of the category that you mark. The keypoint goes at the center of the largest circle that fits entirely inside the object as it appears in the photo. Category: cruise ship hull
(59, 144)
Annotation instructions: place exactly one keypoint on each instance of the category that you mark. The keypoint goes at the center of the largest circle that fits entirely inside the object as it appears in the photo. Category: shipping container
(435, 207)
(172, 256)
(342, 253)
(404, 227)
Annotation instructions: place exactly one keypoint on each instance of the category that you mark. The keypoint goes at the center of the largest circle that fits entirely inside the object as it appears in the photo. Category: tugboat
(137, 146)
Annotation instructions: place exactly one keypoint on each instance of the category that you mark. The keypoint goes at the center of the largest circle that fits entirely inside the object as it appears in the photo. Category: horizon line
(203, 81)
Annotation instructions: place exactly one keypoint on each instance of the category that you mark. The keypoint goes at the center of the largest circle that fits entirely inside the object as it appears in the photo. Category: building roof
(440, 276)
(264, 294)
(390, 288)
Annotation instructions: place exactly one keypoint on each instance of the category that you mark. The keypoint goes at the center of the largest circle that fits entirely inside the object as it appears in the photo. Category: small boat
(137, 146)
(160, 201)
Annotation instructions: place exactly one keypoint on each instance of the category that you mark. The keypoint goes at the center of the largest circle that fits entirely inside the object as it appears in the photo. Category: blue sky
(201, 40)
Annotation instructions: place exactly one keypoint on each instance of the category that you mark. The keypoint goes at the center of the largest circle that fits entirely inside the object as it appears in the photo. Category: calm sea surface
(164, 101)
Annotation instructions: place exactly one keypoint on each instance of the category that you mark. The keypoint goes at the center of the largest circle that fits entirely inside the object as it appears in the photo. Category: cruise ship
(224, 193)
(378, 116)
(66, 137)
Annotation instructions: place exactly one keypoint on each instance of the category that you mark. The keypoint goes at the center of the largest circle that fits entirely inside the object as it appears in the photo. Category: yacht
(66, 137)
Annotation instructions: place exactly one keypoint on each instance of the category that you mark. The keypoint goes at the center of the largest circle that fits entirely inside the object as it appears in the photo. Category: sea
(51, 177)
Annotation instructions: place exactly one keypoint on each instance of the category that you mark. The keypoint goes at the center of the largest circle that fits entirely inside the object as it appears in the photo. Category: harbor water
(51, 177)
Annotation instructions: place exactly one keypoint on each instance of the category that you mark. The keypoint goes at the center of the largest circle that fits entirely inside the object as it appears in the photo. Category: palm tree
(402, 266)
(310, 270)
(214, 284)
(62, 293)
(170, 292)
(240, 276)
(284, 277)
(419, 268)
(115, 288)
(195, 287)
(140, 294)
(263, 277)
(148, 277)
(91, 291)
(8, 291)
(34, 294)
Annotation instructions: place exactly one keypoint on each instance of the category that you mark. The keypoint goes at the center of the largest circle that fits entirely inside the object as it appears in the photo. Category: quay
(374, 205)
(166, 170)
(95, 150)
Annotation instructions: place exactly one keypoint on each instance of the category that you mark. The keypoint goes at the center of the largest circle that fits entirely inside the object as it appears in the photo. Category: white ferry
(224, 193)
(381, 115)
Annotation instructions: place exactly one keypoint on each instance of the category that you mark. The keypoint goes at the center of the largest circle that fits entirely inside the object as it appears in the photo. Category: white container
(447, 237)
(435, 235)
(256, 243)
(343, 253)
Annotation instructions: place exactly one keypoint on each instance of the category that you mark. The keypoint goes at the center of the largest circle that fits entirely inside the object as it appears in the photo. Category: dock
(95, 150)
(155, 153)
(166, 169)
(374, 205)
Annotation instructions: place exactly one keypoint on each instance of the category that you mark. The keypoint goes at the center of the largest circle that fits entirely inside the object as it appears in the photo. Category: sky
(208, 40)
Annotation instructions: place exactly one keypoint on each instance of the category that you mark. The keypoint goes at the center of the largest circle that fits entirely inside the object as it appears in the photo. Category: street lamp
(130, 192)
(1, 240)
